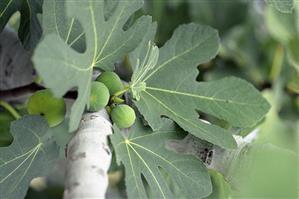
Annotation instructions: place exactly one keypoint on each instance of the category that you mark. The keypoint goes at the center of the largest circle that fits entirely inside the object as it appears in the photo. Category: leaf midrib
(201, 96)
(177, 56)
(177, 115)
(151, 172)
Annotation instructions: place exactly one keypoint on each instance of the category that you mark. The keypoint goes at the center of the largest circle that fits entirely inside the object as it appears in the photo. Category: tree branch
(20, 92)
(89, 158)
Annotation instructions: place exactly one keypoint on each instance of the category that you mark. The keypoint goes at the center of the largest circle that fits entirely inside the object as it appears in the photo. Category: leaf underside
(154, 172)
(169, 88)
(31, 155)
(30, 30)
(86, 38)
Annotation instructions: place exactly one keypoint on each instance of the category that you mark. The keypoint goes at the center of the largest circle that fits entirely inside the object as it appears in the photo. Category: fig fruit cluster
(106, 91)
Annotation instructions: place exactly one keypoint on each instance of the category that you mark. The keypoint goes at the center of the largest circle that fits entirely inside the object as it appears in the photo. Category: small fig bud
(111, 81)
(99, 96)
(123, 116)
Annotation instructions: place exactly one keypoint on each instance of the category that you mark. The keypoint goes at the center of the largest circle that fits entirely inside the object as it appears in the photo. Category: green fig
(44, 103)
(112, 81)
(123, 116)
(99, 96)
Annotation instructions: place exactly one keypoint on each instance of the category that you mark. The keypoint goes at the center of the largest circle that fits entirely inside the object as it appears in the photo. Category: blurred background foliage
(259, 43)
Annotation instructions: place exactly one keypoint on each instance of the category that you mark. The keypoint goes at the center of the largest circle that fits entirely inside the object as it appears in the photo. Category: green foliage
(162, 160)
(106, 42)
(123, 116)
(284, 27)
(29, 30)
(274, 129)
(145, 159)
(217, 13)
(45, 104)
(179, 96)
(111, 81)
(99, 96)
(267, 171)
(284, 6)
(5, 136)
(221, 188)
(30, 155)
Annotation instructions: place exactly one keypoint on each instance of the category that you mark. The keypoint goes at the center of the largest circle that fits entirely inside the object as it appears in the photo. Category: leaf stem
(119, 93)
(277, 63)
(10, 109)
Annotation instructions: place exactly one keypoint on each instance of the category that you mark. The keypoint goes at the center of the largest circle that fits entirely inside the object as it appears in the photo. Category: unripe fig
(99, 96)
(44, 103)
(123, 116)
(112, 81)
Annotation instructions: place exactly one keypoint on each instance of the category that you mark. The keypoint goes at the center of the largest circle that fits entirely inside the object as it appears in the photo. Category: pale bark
(89, 158)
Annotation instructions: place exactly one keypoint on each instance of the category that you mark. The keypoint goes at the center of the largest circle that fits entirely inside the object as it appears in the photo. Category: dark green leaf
(145, 158)
(31, 155)
(165, 85)
(29, 30)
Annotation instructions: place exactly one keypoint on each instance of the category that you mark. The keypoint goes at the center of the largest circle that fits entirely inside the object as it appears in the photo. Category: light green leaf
(266, 171)
(62, 67)
(274, 129)
(29, 30)
(30, 155)
(169, 88)
(293, 52)
(144, 156)
(284, 6)
(221, 188)
(284, 27)
(281, 26)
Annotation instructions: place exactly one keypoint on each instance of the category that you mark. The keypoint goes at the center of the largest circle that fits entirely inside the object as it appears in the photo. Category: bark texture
(89, 158)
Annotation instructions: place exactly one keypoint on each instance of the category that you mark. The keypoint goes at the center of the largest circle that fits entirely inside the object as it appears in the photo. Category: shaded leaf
(216, 13)
(16, 68)
(30, 30)
(5, 136)
(30, 155)
(143, 154)
(169, 88)
(106, 43)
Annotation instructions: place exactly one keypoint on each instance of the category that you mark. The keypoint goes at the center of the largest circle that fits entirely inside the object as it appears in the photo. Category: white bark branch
(89, 158)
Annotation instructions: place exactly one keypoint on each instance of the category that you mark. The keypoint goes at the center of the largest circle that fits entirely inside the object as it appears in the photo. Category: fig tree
(123, 116)
(112, 81)
(44, 103)
(99, 96)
